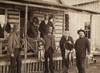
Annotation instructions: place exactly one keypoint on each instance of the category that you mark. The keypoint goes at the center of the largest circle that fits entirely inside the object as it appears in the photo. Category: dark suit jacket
(49, 42)
(44, 27)
(81, 45)
(68, 46)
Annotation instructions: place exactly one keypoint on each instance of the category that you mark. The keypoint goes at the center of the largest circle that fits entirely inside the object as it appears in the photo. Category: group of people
(81, 46)
(46, 29)
(47, 38)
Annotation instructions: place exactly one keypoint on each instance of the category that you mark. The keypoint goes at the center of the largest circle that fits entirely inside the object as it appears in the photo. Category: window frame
(2, 39)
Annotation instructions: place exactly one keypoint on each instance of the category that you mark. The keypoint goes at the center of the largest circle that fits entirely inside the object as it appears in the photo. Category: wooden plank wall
(13, 16)
(58, 19)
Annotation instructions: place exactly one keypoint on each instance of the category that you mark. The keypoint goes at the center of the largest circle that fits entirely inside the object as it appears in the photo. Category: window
(88, 29)
(67, 22)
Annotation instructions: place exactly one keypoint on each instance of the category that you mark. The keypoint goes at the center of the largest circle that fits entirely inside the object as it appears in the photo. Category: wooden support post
(26, 18)
(33, 67)
(0, 47)
(63, 22)
(91, 31)
(42, 65)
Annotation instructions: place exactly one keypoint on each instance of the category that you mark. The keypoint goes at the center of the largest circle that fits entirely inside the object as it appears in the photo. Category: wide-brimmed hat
(81, 30)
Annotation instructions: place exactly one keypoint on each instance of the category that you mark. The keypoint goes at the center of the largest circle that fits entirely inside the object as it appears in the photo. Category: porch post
(91, 44)
(26, 18)
(63, 22)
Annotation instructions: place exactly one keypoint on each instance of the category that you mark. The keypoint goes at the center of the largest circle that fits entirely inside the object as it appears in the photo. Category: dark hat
(81, 30)
(8, 28)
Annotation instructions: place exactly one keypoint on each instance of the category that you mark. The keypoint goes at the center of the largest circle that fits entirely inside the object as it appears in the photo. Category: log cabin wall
(13, 15)
(59, 26)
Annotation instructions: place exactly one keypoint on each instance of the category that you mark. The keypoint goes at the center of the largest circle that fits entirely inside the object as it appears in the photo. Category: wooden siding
(75, 2)
(95, 6)
(59, 20)
(13, 16)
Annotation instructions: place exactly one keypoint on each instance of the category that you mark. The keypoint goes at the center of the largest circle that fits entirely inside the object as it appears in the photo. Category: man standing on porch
(81, 45)
(14, 49)
(49, 50)
(43, 28)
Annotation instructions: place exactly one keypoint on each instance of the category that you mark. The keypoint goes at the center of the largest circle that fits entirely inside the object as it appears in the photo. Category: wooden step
(28, 53)
(22, 54)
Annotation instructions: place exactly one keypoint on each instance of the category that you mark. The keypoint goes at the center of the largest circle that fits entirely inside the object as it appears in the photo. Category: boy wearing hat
(81, 45)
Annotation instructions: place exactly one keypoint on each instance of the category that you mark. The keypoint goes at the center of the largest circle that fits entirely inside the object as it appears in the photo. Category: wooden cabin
(15, 12)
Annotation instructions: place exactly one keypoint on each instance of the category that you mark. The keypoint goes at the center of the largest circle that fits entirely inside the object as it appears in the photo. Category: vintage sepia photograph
(49, 36)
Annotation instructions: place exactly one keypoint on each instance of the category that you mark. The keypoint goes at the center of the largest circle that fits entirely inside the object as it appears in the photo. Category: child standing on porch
(41, 50)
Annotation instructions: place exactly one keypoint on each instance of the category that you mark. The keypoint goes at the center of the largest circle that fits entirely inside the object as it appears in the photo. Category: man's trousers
(80, 64)
(16, 62)
(49, 54)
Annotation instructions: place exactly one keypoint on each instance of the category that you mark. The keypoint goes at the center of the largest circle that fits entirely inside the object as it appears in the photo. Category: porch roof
(47, 5)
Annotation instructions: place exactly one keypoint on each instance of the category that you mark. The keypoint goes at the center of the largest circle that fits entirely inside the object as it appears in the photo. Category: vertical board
(94, 6)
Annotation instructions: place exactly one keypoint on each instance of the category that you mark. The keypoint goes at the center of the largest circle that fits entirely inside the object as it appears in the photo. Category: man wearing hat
(14, 48)
(49, 47)
(81, 45)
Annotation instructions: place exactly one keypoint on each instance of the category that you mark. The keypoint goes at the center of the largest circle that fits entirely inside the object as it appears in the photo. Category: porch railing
(33, 65)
